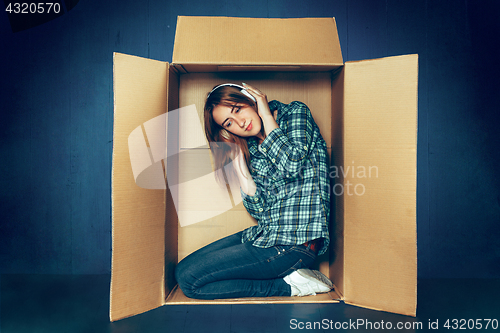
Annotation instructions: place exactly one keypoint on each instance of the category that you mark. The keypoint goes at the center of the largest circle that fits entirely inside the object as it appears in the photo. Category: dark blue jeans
(229, 268)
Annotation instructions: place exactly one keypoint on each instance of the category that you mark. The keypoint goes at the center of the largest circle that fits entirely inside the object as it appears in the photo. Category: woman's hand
(262, 109)
(262, 104)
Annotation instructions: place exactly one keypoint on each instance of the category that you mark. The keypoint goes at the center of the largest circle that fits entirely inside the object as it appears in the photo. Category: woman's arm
(252, 200)
(247, 183)
(288, 147)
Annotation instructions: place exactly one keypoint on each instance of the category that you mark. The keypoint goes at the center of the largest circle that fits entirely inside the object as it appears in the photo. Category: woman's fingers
(262, 105)
(255, 92)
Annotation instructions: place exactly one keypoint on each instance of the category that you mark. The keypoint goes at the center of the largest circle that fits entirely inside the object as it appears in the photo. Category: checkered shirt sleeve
(290, 169)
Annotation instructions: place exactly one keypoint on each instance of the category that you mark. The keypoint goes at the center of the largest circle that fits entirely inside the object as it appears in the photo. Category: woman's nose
(240, 121)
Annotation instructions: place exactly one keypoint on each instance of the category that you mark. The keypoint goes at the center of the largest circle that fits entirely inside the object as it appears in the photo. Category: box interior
(312, 88)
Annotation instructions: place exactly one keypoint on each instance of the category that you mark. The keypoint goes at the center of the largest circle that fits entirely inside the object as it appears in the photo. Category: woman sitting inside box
(281, 163)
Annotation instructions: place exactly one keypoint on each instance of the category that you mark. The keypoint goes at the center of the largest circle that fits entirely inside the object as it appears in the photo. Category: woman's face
(239, 119)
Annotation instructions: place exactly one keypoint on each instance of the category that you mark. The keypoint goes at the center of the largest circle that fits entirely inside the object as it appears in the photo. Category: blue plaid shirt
(290, 169)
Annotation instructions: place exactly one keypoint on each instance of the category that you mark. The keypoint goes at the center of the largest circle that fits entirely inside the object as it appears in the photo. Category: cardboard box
(367, 114)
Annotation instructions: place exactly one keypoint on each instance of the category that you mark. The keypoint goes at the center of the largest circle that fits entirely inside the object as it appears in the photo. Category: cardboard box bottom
(177, 297)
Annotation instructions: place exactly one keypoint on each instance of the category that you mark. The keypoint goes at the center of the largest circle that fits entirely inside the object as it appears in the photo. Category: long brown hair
(222, 142)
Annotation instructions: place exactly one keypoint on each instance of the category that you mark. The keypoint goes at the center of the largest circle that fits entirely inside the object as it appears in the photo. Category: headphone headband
(242, 90)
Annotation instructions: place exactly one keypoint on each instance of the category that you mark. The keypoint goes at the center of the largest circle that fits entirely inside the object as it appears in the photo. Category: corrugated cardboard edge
(337, 201)
(112, 201)
(171, 219)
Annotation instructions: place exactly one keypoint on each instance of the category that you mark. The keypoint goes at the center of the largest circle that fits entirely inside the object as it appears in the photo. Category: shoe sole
(319, 277)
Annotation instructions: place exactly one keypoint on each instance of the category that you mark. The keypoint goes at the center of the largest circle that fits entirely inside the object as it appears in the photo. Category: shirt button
(305, 147)
(273, 160)
(260, 209)
(264, 150)
(256, 199)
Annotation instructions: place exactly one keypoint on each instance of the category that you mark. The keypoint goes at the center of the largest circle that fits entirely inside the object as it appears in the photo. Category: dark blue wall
(56, 107)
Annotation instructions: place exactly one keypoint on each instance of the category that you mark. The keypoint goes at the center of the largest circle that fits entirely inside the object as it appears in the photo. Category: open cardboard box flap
(379, 236)
(373, 123)
(227, 43)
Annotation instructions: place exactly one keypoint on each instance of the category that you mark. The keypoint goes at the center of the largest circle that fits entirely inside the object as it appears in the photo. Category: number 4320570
(33, 8)
(477, 324)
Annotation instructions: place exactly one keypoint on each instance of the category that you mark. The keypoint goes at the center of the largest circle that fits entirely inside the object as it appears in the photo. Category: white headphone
(243, 90)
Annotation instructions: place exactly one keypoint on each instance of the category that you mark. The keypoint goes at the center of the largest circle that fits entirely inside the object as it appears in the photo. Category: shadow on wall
(26, 15)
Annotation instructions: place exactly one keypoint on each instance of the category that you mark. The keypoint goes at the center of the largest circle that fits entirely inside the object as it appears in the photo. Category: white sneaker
(308, 282)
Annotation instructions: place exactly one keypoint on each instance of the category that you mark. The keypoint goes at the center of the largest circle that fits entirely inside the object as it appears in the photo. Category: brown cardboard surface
(177, 297)
(195, 236)
(209, 41)
(380, 122)
(137, 285)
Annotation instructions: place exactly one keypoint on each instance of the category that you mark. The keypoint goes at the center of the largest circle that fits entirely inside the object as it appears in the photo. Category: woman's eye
(237, 110)
(229, 123)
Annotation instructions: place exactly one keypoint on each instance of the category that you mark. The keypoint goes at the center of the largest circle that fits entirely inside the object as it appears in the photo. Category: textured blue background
(56, 109)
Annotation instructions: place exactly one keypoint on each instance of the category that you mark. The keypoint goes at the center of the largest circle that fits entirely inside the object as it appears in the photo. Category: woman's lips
(249, 127)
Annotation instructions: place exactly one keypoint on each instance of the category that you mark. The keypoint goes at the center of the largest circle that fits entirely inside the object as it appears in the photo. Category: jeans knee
(182, 276)
(177, 273)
